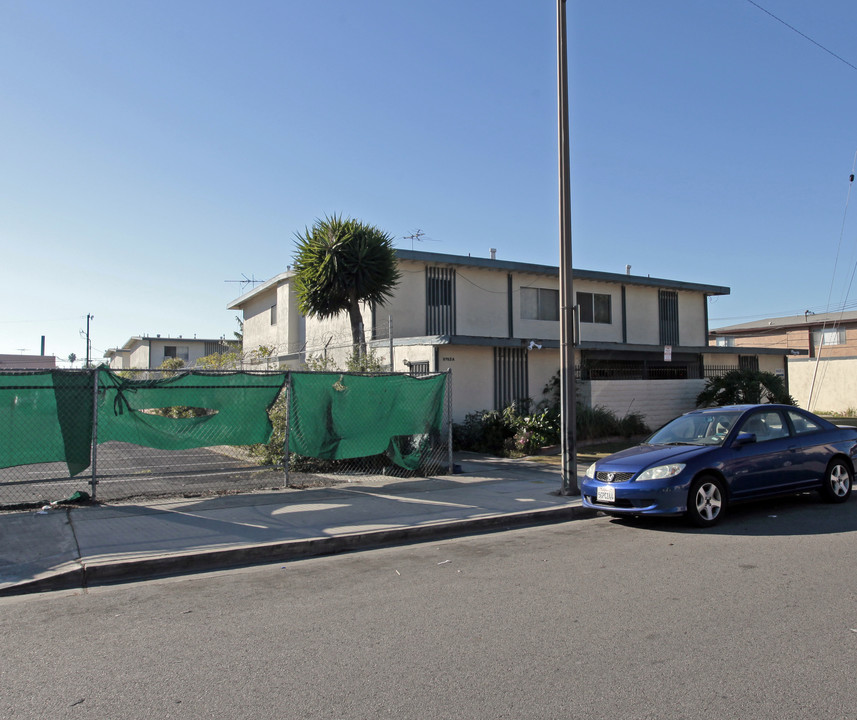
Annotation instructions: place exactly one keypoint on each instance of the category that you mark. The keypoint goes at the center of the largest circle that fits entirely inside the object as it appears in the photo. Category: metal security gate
(511, 385)
(668, 316)
(440, 301)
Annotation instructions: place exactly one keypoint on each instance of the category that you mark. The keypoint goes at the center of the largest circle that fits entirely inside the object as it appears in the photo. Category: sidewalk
(74, 547)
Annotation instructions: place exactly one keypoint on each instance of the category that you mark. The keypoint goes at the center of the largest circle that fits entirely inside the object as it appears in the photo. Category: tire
(836, 487)
(706, 501)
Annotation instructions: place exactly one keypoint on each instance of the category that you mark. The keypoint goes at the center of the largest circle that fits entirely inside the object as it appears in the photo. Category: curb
(141, 569)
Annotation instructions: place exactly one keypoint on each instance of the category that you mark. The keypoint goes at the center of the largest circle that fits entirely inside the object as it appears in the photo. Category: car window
(803, 425)
(702, 428)
(766, 425)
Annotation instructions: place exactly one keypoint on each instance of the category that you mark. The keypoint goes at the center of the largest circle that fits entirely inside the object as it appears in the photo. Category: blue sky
(154, 151)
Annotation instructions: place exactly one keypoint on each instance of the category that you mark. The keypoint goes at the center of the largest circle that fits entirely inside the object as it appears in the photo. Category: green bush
(510, 433)
(745, 385)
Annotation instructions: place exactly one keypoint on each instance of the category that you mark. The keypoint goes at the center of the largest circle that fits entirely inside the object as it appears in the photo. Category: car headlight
(590, 471)
(661, 472)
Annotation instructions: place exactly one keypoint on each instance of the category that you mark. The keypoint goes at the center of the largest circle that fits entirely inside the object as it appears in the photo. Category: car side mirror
(744, 438)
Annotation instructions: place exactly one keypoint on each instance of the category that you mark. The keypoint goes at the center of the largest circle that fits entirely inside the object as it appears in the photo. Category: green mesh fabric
(237, 405)
(336, 416)
(46, 417)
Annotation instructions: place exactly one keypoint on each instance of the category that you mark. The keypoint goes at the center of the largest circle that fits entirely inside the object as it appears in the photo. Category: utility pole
(566, 295)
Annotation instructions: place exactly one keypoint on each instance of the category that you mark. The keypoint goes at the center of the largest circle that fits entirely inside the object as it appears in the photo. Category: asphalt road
(591, 619)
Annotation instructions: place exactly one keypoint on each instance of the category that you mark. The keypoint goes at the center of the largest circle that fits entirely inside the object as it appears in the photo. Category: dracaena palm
(340, 263)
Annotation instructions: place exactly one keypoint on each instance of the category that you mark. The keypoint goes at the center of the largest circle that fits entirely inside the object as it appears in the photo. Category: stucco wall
(835, 388)
(472, 378)
(641, 305)
(258, 330)
(657, 400)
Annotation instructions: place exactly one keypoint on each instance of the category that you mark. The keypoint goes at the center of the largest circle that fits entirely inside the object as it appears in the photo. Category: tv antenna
(246, 281)
(417, 235)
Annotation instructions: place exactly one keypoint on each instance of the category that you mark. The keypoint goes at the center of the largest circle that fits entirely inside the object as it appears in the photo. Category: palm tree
(744, 385)
(340, 263)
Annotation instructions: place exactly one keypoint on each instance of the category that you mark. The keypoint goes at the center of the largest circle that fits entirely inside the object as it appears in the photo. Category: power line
(802, 34)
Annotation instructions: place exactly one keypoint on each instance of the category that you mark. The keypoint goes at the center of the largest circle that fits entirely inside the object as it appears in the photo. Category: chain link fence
(68, 434)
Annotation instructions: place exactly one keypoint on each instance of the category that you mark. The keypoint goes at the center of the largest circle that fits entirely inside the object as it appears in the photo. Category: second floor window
(539, 304)
(273, 314)
(828, 336)
(595, 308)
(176, 351)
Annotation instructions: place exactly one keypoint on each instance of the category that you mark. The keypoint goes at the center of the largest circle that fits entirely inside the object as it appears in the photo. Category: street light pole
(566, 295)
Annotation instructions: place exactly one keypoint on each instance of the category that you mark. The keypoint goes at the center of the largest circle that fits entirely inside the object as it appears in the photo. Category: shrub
(737, 387)
(510, 433)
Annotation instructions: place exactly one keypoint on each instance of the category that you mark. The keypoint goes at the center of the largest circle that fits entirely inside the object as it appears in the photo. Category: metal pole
(88, 344)
(94, 451)
(449, 419)
(566, 295)
(390, 335)
(288, 426)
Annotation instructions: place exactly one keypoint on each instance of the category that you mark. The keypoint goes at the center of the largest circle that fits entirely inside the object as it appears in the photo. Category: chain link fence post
(286, 453)
(451, 462)
(94, 453)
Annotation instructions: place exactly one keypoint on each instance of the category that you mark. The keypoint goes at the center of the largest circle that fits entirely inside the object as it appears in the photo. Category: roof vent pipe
(493, 252)
(627, 269)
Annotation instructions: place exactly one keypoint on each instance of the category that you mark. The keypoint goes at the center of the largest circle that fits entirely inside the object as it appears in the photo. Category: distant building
(821, 351)
(149, 353)
(27, 362)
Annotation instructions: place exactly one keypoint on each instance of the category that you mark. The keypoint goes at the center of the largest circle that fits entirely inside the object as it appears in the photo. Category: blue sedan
(699, 463)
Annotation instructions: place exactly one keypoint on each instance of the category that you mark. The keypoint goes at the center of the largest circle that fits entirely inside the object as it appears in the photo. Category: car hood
(645, 456)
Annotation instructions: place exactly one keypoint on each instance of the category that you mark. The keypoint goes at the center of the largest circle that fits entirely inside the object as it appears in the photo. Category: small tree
(744, 386)
(341, 263)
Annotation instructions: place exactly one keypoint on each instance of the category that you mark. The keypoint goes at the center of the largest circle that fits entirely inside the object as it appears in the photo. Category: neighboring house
(495, 325)
(148, 353)
(27, 362)
(828, 334)
(821, 351)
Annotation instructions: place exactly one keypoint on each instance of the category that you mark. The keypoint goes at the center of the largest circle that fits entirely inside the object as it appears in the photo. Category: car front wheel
(706, 501)
(837, 481)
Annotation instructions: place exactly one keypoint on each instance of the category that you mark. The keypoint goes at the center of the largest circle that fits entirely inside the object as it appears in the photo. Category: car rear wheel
(838, 478)
(706, 501)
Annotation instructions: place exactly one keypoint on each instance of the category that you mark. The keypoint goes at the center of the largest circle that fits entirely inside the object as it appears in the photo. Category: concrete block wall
(657, 400)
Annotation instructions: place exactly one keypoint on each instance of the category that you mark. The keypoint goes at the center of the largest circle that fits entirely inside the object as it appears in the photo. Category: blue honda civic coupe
(701, 462)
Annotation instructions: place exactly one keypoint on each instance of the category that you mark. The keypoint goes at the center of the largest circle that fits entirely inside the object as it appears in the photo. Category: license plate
(605, 493)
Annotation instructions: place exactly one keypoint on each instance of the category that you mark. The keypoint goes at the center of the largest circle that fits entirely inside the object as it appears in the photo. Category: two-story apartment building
(495, 325)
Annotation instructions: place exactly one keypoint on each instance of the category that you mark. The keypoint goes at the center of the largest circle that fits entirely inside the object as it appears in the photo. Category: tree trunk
(358, 337)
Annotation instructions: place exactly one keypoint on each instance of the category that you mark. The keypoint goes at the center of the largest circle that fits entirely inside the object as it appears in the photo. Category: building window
(273, 314)
(594, 308)
(668, 316)
(748, 362)
(419, 368)
(725, 341)
(833, 336)
(539, 304)
(176, 351)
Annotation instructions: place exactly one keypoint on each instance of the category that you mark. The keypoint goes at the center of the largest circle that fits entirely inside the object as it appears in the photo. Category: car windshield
(706, 428)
